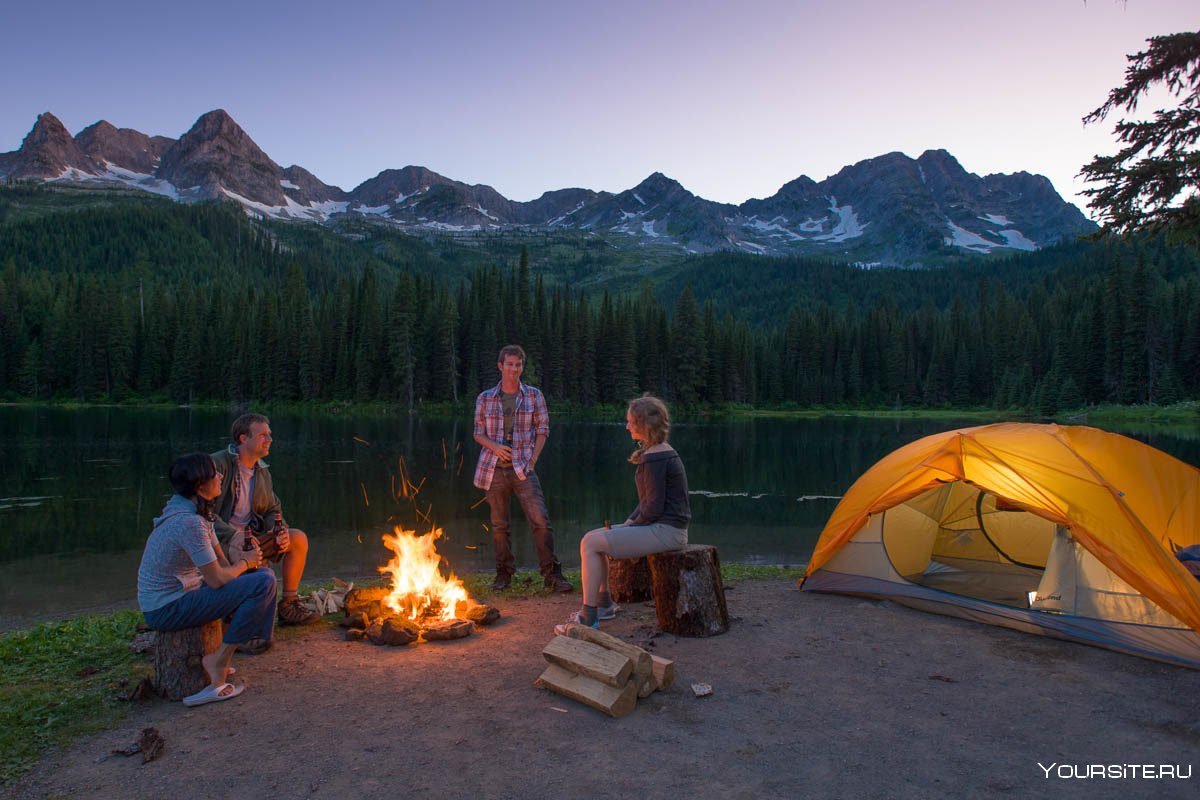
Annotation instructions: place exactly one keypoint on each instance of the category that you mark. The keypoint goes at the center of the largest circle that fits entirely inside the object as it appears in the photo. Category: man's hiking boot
(293, 612)
(501, 582)
(558, 583)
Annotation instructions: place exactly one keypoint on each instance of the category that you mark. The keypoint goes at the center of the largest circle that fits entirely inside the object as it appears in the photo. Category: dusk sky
(732, 99)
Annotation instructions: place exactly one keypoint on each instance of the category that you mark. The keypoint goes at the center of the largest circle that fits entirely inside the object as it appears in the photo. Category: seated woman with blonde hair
(658, 524)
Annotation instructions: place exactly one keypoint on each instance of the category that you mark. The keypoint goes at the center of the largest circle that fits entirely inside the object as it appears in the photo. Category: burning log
(397, 631)
(356, 620)
(481, 615)
(602, 671)
(443, 630)
(370, 601)
(424, 601)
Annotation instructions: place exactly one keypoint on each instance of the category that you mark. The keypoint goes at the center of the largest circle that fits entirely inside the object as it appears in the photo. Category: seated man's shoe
(254, 647)
(558, 583)
(294, 612)
(502, 582)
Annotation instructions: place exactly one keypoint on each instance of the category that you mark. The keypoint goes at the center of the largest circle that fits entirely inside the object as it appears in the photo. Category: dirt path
(815, 696)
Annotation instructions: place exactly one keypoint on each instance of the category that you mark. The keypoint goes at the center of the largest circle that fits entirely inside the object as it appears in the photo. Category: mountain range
(891, 209)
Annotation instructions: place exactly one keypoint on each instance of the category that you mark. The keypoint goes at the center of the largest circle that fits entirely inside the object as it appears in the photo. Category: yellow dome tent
(1063, 531)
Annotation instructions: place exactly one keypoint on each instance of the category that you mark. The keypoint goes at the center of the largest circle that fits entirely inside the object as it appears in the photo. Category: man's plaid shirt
(530, 419)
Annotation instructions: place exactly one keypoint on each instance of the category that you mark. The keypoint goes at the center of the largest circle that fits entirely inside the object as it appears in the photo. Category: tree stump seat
(629, 580)
(178, 671)
(689, 595)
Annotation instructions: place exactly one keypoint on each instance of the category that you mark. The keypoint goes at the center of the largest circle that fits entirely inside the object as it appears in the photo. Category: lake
(80, 489)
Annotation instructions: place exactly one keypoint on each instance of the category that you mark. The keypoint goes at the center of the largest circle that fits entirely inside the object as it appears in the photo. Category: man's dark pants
(505, 484)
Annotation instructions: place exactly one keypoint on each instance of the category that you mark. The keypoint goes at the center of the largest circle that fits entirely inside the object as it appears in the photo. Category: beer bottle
(247, 545)
(277, 529)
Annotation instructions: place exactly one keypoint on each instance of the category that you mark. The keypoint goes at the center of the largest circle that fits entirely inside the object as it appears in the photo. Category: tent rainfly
(1063, 531)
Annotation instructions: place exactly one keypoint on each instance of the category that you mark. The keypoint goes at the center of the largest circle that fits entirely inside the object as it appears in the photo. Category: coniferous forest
(120, 299)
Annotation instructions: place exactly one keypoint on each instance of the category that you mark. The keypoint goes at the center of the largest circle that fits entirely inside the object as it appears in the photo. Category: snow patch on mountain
(290, 210)
(996, 219)
(961, 237)
(1017, 240)
(286, 184)
(138, 180)
(847, 227)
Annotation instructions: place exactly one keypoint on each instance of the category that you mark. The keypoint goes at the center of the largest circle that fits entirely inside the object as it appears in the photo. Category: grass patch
(734, 573)
(62, 680)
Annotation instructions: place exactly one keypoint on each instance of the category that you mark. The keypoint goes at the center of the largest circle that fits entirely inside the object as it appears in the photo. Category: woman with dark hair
(658, 524)
(185, 580)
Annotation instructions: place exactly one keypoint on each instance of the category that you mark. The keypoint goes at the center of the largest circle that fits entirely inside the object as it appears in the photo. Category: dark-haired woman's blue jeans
(248, 599)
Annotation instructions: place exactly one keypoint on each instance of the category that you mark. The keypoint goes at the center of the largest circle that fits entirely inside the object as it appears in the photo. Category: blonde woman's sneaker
(576, 618)
(607, 612)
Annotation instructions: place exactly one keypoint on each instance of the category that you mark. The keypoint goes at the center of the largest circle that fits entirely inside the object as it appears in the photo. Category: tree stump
(629, 580)
(177, 668)
(689, 596)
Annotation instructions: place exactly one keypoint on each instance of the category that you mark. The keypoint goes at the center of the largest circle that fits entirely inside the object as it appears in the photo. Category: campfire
(422, 602)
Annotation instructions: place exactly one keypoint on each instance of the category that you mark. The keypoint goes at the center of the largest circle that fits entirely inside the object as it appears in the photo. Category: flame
(418, 586)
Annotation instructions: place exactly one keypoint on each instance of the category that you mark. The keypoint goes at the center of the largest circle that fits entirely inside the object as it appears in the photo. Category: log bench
(177, 668)
(686, 586)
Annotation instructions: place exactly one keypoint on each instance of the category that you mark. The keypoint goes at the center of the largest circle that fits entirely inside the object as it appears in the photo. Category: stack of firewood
(602, 671)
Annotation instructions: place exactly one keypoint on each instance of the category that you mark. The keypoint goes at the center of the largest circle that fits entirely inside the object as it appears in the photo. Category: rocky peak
(216, 157)
(304, 186)
(122, 147)
(47, 152)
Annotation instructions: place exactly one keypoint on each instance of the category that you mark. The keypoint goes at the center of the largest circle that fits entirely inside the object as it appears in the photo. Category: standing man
(511, 425)
(247, 500)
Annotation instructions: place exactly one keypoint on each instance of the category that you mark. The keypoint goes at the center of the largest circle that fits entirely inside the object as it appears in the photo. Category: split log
(629, 580)
(589, 691)
(178, 671)
(592, 660)
(643, 666)
(689, 596)
(664, 672)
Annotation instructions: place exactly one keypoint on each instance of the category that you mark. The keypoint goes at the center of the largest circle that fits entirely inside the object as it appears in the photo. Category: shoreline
(1186, 411)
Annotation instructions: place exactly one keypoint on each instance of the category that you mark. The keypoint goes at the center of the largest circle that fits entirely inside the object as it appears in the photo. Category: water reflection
(80, 488)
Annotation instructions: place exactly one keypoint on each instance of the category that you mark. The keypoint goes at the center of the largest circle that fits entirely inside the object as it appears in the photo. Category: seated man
(247, 501)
